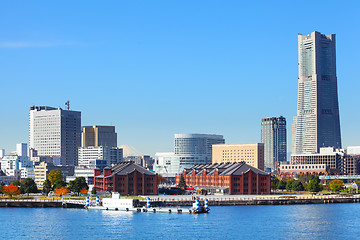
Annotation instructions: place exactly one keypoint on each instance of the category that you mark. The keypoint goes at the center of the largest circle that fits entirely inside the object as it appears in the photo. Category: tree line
(54, 182)
(309, 183)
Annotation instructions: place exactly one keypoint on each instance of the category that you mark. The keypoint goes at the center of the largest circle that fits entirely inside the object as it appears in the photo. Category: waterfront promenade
(233, 200)
(188, 200)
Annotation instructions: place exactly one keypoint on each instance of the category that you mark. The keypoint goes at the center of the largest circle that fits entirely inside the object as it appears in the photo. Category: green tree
(336, 185)
(297, 186)
(28, 185)
(281, 185)
(15, 182)
(46, 186)
(182, 183)
(314, 177)
(1, 187)
(93, 191)
(289, 185)
(55, 175)
(274, 183)
(77, 184)
(313, 186)
(59, 183)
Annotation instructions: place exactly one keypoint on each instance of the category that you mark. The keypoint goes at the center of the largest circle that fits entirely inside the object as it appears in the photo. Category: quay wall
(254, 201)
(157, 202)
(31, 203)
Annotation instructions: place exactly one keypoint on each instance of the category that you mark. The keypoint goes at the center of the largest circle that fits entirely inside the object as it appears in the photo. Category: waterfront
(314, 221)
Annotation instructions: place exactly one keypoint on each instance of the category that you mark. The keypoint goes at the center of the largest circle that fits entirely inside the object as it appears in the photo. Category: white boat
(116, 203)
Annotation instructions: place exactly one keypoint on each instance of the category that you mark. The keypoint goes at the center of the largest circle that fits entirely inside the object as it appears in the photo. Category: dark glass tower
(273, 135)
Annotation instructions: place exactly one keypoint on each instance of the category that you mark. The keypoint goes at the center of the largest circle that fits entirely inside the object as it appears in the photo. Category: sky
(156, 68)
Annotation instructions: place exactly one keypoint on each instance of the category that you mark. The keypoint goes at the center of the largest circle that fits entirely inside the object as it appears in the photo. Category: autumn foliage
(61, 191)
(11, 190)
(84, 191)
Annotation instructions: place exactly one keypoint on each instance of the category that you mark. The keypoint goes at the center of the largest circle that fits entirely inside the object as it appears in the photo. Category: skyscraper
(96, 136)
(273, 135)
(55, 132)
(317, 121)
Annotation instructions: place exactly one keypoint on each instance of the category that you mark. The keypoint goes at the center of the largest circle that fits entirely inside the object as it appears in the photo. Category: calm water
(332, 221)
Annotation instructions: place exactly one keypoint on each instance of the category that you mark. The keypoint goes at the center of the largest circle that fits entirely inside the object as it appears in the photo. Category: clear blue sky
(155, 68)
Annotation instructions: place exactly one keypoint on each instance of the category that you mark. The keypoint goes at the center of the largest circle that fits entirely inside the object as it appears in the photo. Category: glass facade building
(197, 144)
(273, 135)
(189, 149)
(317, 122)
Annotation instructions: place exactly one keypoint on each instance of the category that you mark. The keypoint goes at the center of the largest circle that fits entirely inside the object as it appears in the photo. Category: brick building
(127, 178)
(239, 177)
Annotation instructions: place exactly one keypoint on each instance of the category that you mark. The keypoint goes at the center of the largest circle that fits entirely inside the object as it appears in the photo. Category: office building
(250, 153)
(55, 132)
(273, 135)
(96, 136)
(21, 149)
(168, 164)
(353, 150)
(232, 178)
(2, 153)
(200, 144)
(337, 161)
(317, 121)
(144, 160)
(43, 168)
(189, 149)
(99, 157)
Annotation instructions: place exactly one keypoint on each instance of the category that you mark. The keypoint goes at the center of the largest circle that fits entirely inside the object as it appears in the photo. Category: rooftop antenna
(67, 103)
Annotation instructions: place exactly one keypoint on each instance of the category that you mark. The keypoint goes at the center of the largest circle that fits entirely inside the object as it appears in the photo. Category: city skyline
(208, 71)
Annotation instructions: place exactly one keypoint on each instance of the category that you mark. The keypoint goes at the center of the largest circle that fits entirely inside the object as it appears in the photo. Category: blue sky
(155, 68)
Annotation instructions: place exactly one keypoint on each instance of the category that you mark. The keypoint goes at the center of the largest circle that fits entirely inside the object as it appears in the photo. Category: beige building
(96, 136)
(251, 153)
(43, 168)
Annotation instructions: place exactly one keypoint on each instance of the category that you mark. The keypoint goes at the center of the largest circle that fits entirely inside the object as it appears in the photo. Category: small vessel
(115, 203)
(196, 208)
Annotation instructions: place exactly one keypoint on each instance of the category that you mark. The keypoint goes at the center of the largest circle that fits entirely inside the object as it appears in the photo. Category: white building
(21, 149)
(27, 173)
(170, 164)
(2, 153)
(189, 149)
(13, 161)
(353, 150)
(55, 132)
(88, 156)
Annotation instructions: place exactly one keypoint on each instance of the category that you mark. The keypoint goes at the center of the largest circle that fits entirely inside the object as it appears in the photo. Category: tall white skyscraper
(317, 121)
(55, 132)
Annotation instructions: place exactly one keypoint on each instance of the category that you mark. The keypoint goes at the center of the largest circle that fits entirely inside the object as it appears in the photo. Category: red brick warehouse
(239, 178)
(126, 178)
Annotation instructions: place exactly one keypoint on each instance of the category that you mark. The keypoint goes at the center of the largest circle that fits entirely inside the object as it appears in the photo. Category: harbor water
(313, 221)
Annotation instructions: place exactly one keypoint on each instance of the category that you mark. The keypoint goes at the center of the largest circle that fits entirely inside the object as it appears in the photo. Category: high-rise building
(317, 121)
(55, 132)
(197, 144)
(89, 156)
(189, 149)
(273, 135)
(21, 149)
(250, 153)
(96, 136)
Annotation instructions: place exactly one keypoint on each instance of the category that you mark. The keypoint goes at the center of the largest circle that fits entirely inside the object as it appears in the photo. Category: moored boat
(116, 203)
